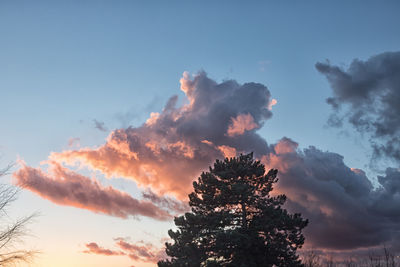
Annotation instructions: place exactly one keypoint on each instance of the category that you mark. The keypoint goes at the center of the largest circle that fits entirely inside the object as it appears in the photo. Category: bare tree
(375, 260)
(329, 262)
(11, 232)
(389, 258)
(311, 259)
(350, 262)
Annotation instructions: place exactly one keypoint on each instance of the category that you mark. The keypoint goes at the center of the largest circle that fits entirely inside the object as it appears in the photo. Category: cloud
(95, 249)
(367, 95)
(241, 124)
(140, 251)
(272, 103)
(191, 136)
(65, 187)
(165, 202)
(99, 125)
(228, 151)
(166, 153)
(344, 209)
(264, 65)
(75, 141)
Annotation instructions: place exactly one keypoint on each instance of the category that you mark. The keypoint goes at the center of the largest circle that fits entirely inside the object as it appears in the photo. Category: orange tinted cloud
(228, 151)
(74, 142)
(171, 149)
(285, 146)
(95, 249)
(168, 152)
(153, 118)
(65, 187)
(167, 167)
(140, 251)
(188, 86)
(272, 103)
(240, 124)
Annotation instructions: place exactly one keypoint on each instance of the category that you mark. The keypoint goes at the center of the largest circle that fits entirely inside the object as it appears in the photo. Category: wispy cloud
(96, 249)
(144, 252)
(367, 96)
(99, 125)
(169, 203)
(139, 251)
(74, 142)
(66, 187)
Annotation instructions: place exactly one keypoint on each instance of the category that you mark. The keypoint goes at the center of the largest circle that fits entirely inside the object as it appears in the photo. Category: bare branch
(12, 233)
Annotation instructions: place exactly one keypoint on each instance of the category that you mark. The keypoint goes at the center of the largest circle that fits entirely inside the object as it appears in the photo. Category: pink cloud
(272, 103)
(140, 251)
(171, 149)
(74, 142)
(241, 124)
(95, 249)
(148, 166)
(228, 151)
(65, 187)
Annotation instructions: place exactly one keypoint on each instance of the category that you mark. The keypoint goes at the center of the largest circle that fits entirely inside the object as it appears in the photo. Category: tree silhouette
(10, 234)
(234, 221)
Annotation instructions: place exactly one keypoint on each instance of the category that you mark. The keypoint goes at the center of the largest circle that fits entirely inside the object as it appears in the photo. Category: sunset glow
(111, 110)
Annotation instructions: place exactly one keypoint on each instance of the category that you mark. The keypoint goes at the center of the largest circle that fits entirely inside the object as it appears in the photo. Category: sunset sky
(110, 109)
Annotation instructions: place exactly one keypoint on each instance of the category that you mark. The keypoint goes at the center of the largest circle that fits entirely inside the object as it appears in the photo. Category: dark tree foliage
(234, 221)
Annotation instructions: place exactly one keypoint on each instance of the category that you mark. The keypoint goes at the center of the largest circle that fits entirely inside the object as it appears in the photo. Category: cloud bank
(174, 146)
(167, 152)
(344, 209)
(65, 187)
(367, 95)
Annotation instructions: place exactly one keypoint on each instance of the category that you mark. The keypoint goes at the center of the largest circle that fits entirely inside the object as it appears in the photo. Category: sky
(101, 99)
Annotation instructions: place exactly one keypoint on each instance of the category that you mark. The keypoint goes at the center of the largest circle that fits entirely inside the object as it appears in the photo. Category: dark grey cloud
(99, 125)
(367, 95)
(344, 209)
(387, 197)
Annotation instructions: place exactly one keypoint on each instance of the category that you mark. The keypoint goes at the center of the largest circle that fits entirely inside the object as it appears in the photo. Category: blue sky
(64, 64)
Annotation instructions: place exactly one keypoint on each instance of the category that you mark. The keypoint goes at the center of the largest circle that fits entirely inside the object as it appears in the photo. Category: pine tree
(234, 221)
